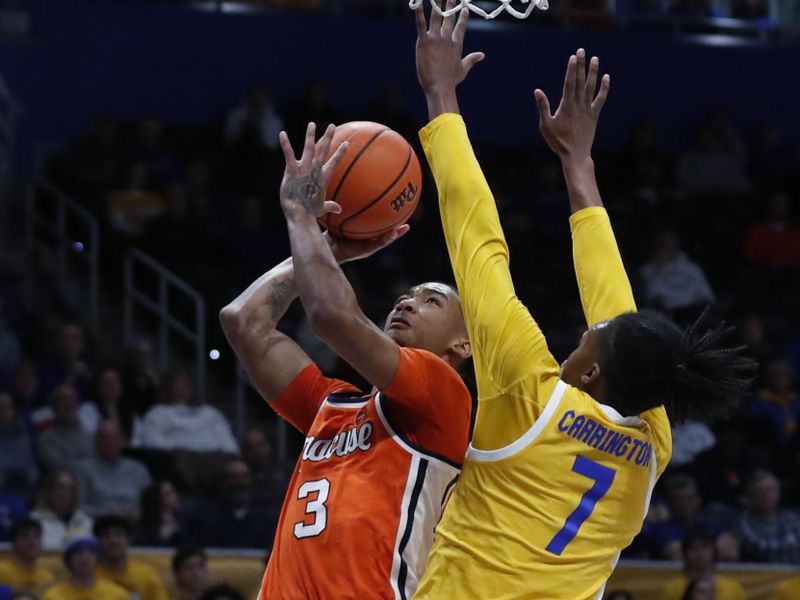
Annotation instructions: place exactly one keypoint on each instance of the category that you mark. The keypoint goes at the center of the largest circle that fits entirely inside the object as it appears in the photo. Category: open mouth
(398, 323)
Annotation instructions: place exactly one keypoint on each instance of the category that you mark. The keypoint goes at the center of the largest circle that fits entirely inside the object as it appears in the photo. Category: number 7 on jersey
(603, 478)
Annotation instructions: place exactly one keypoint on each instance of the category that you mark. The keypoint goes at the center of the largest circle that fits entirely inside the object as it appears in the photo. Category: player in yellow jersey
(563, 459)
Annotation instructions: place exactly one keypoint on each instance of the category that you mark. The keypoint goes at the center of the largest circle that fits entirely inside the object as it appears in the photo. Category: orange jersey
(370, 485)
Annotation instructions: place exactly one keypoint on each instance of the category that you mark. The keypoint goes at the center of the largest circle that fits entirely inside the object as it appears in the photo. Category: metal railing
(55, 218)
(281, 431)
(157, 301)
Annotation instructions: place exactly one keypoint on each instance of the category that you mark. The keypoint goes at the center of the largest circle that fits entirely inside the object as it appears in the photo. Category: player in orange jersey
(376, 468)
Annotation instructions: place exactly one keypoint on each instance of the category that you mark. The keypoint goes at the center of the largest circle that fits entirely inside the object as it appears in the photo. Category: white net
(504, 6)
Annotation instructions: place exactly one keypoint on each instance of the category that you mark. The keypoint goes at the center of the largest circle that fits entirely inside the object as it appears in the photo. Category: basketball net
(505, 5)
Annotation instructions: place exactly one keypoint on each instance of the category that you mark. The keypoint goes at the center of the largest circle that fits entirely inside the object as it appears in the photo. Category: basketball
(377, 183)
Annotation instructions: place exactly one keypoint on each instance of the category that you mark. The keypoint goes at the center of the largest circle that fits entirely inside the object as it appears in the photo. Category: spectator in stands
(16, 448)
(108, 404)
(788, 589)
(722, 470)
(6, 593)
(774, 242)
(700, 589)
(709, 168)
(690, 438)
(619, 595)
(21, 596)
(108, 481)
(699, 553)
(140, 379)
(672, 281)
(190, 569)
(59, 511)
(179, 424)
(234, 521)
(255, 123)
(221, 592)
(685, 513)
(758, 346)
(766, 533)
(20, 570)
(130, 209)
(9, 345)
(113, 534)
(71, 365)
(25, 387)
(65, 443)
(163, 522)
(12, 507)
(80, 559)
(777, 403)
(269, 479)
(313, 106)
(150, 148)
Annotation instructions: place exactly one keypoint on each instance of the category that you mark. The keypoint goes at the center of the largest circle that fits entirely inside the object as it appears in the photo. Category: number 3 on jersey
(316, 506)
(603, 478)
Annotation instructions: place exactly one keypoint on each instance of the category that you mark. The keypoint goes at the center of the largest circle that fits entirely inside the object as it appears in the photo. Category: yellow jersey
(22, 578)
(102, 590)
(555, 484)
(137, 577)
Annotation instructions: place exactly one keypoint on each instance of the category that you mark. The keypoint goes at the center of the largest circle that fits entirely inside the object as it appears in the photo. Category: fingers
(322, 146)
(389, 237)
(330, 207)
(569, 78)
(448, 22)
(543, 104)
(605, 86)
(288, 151)
(470, 60)
(461, 26)
(333, 162)
(591, 81)
(580, 73)
(422, 26)
(435, 26)
(308, 148)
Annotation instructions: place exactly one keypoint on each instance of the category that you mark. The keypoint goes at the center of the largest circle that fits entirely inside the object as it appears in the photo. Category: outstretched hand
(570, 131)
(305, 180)
(440, 64)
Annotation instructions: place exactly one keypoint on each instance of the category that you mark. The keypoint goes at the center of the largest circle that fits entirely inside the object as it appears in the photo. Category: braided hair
(648, 361)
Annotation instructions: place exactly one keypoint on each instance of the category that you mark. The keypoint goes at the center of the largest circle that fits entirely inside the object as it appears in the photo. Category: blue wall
(190, 65)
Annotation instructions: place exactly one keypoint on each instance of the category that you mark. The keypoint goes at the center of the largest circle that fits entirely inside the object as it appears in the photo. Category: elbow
(232, 320)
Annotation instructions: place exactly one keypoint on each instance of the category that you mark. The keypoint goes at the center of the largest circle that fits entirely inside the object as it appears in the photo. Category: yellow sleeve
(606, 292)
(602, 280)
(512, 361)
(674, 589)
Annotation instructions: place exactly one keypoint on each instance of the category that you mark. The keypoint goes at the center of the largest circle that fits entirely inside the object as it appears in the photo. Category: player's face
(583, 359)
(428, 316)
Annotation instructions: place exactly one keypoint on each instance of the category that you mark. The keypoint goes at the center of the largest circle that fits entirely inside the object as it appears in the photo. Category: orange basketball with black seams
(377, 183)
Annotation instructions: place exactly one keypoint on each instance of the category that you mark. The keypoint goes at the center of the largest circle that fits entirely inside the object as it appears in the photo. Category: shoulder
(110, 590)
(435, 367)
(141, 570)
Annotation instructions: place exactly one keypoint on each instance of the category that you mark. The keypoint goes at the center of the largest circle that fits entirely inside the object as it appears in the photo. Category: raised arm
(602, 280)
(507, 343)
(328, 298)
(272, 359)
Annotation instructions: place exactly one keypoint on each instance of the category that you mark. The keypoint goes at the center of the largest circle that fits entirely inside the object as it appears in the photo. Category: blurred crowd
(99, 450)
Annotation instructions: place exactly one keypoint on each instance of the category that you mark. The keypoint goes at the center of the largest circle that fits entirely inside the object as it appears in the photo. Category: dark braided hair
(648, 361)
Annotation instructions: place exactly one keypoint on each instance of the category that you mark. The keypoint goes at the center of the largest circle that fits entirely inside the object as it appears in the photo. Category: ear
(460, 349)
(591, 375)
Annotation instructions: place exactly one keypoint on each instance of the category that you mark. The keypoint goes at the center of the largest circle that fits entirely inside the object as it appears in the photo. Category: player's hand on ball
(570, 132)
(305, 180)
(345, 250)
(440, 48)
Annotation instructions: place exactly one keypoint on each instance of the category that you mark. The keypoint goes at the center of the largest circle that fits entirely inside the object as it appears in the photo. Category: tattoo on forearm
(309, 190)
(281, 295)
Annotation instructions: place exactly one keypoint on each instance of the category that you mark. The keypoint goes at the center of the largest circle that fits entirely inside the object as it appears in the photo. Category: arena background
(698, 155)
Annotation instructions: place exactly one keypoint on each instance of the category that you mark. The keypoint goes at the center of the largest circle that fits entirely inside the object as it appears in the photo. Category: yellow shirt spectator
(27, 579)
(788, 590)
(724, 588)
(102, 590)
(137, 577)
